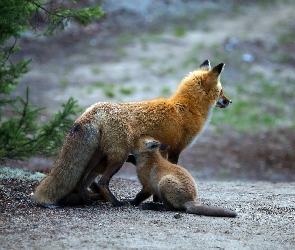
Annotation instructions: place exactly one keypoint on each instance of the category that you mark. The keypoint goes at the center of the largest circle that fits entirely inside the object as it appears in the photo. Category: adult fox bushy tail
(172, 184)
(69, 166)
(101, 139)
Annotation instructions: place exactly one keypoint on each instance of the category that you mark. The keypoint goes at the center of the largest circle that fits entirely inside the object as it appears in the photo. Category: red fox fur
(172, 184)
(101, 139)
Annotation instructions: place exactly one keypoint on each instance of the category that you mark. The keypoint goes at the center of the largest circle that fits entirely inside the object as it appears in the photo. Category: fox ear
(152, 144)
(205, 65)
(218, 69)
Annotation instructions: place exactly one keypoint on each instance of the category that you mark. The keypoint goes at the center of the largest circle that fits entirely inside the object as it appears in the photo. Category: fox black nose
(221, 103)
(225, 103)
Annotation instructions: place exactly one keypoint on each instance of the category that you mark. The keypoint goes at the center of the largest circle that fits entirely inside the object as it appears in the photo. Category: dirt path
(266, 220)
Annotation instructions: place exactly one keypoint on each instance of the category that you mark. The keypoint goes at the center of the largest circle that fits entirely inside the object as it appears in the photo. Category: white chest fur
(194, 140)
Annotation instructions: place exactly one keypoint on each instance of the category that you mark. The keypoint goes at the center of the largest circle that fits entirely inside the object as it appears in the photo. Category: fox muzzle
(222, 103)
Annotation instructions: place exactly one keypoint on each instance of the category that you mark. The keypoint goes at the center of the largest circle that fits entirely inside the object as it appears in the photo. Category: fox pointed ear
(205, 65)
(218, 69)
(152, 144)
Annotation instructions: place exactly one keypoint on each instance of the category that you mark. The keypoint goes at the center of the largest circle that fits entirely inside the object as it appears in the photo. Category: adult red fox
(102, 137)
(172, 184)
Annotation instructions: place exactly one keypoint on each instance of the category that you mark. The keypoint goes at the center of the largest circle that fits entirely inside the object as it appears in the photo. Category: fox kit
(171, 183)
(100, 140)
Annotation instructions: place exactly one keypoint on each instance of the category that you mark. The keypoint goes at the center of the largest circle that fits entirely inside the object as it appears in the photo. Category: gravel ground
(266, 220)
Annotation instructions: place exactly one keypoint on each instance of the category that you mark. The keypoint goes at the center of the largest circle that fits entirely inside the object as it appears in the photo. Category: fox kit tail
(192, 208)
(79, 146)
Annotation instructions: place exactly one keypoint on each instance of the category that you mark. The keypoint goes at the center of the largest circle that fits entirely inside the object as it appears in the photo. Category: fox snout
(223, 102)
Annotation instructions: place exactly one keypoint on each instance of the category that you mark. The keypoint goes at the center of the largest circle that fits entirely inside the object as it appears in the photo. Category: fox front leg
(153, 206)
(140, 197)
(156, 198)
(132, 160)
(173, 157)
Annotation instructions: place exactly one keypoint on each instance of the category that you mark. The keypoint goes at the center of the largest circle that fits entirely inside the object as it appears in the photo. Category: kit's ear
(205, 65)
(218, 69)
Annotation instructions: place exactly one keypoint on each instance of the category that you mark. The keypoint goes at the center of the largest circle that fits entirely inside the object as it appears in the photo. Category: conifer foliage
(21, 134)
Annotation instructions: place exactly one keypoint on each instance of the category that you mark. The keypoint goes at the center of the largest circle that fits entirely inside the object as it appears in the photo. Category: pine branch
(25, 138)
(21, 135)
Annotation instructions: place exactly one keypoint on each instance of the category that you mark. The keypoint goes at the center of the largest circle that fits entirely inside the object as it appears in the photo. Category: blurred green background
(142, 51)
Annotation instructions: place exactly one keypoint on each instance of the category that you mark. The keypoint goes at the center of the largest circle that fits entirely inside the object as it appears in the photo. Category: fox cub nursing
(101, 139)
(171, 183)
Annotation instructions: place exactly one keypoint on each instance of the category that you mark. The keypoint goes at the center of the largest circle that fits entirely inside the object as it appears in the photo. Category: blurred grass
(111, 90)
(259, 103)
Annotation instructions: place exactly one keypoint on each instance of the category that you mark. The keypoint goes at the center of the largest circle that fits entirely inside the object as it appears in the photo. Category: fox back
(184, 115)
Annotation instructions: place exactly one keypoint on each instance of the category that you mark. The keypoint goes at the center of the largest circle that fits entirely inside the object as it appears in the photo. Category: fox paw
(132, 202)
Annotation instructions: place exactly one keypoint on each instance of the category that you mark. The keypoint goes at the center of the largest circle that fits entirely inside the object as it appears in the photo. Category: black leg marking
(173, 157)
(103, 183)
(131, 159)
(153, 206)
(156, 198)
(140, 197)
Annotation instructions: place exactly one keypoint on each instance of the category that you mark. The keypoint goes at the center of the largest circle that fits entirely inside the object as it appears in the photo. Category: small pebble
(177, 216)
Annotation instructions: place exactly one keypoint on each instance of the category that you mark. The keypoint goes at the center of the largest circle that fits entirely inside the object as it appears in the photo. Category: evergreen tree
(21, 136)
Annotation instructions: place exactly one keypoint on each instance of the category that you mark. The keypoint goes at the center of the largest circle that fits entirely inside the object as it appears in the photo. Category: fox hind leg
(103, 183)
(98, 170)
(83, 185)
